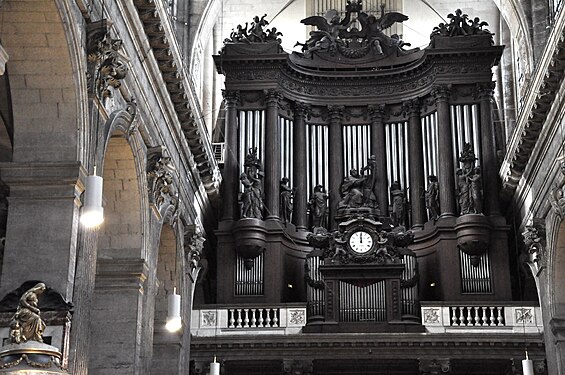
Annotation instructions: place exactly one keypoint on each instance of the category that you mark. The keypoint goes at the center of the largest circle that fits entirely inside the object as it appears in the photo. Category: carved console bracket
(534, 252)
(162, 183)
(193, 246)
(107, 66)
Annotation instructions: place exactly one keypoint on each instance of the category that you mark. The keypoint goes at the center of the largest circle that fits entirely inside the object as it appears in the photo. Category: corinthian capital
(336, 112)
(376, 111)
(441, 92)
(302, 109)
(231, 97)
(272, 97)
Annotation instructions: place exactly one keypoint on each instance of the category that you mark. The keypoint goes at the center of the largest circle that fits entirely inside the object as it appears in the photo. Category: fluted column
(446, 168)
(336, 173)
(231, 179)
(488, 151)
(299, 176)
(272, 154)
(416, 172)
(378, 148)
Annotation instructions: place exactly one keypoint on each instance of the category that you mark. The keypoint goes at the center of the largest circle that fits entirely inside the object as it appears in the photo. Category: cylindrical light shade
(527, 367)
(214, 368)
(174, 322)
(92, 212)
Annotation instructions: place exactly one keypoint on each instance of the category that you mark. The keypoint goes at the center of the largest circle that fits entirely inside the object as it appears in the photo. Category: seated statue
(26, 324)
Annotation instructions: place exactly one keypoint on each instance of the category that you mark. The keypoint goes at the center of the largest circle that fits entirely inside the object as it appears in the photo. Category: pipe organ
(392, 189)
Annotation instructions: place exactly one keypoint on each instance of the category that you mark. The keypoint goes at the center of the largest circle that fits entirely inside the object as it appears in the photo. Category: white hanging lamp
(214, 367)
(527, 365)
(92, 214)
(174, 322)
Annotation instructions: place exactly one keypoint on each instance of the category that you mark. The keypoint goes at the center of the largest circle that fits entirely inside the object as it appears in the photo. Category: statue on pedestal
(432, 198)
(251, 198)
(26, 324)
(286, 204)
(398, 199)
(318, 206)
(357, 189)
(469, 183)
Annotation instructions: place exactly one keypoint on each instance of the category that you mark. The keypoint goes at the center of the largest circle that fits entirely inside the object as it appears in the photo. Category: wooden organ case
(360, 176)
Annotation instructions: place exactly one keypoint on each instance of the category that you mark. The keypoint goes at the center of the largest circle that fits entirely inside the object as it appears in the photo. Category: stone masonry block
(30, 40)
(25, 16)
(46, 82)
(25, 96)
(51, 95)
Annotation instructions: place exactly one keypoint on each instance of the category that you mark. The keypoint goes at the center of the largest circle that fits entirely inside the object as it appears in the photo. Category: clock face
(361, 242)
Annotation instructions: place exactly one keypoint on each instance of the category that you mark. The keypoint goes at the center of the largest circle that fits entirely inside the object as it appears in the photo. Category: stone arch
(119, 302)
(552, 294)
(166, 356)
(46, 83)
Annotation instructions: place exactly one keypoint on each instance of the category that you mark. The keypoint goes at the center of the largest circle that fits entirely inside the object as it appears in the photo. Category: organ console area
(360, 175)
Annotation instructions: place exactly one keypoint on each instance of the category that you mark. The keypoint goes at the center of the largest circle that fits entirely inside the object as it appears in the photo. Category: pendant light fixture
(527, 365)
(214, 367)
(92, 212)
(174, 321)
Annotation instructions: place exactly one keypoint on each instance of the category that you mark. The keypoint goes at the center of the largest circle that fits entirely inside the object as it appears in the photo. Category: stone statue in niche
(251, 198)
(357, 189)
(432, 198)
(469, 183)
(398, 199)
(318, 206)
(26, 324)
(286, 197)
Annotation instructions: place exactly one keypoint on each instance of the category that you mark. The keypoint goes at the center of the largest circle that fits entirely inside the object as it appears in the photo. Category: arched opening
(120, 270)
(120, 235)
(166, 345)
(557, 272)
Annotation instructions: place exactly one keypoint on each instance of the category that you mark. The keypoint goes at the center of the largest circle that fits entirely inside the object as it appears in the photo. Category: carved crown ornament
(162, 182)
(106, 65)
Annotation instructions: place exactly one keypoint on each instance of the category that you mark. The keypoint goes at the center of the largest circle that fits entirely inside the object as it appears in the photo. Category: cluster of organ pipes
(360, 303)
(475, 279)
(249, 276)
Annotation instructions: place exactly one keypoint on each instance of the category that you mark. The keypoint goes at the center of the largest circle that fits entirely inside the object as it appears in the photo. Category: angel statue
(327, 35)
(374, 27)
(26, 324)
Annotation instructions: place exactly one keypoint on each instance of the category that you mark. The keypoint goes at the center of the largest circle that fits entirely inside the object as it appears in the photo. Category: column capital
(232, 97)
(376, 111)
(272, 97)
(441, 92)
(302, 110)
(411, 107)
(336, 112)
(484, 91)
